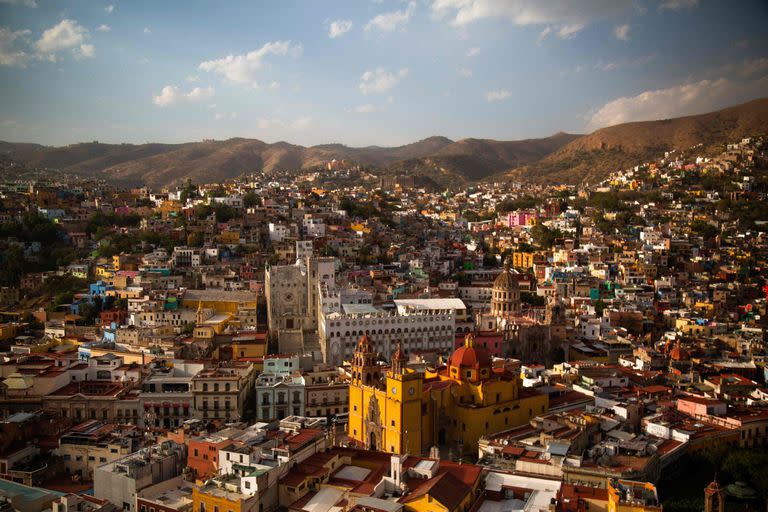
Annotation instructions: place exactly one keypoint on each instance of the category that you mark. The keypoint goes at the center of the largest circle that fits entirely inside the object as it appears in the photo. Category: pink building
(698, 405)
(521, 218)
(493, 342)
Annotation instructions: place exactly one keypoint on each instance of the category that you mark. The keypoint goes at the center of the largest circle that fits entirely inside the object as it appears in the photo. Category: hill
(210, 161)
(592, 157)
(560, 158)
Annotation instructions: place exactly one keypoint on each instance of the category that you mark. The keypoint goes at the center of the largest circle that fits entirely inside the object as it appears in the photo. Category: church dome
(469, 356)
(505, 281)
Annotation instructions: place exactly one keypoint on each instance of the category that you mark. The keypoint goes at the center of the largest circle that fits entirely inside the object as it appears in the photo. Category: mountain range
(560, 158)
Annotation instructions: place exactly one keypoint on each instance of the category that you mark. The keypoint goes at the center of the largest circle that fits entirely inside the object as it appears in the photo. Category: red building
(203, 455)
(118, 316)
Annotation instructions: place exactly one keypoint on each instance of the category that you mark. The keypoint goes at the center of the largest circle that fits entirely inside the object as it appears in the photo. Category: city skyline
(362, 73)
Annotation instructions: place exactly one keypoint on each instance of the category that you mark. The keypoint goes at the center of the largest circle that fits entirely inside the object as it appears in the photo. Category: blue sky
(367, 72)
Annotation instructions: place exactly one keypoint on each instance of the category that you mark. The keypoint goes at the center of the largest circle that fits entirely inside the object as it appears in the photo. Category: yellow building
(398, 410)
(632, 496)
(522, 259)
(223, 494)
(222, 301)
(231, 237)
(207, 328)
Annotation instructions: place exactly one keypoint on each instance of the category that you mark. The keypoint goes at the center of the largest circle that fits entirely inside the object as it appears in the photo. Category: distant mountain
(562, 157)
(594, 156)
(475, 159)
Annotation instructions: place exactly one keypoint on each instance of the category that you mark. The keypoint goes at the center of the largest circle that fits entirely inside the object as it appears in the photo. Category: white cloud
(10, 52)
(498, 95)
(679, 100)
(543, 34)
(65, 35)
(368, 108)
(744, 69)
(338, 28)
(566, 19)
(465, 72)
(192, 78)
(621, 32)
(103, 28)
(473, 52)
(677, 5)
(242, 69)
(143, 60)
(606, 66)
(26, 3)
(274, 85)
(171, 94)
(300, 123)
(168, 96)
(200, 93)
(380, 80)
(147, 30)
(390, 21)
(86, 51)
(110, 9)
(570, 30)
(223, 115)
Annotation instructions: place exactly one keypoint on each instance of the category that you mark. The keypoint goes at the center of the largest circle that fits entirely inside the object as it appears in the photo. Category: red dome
(679, 354)
(470, 356)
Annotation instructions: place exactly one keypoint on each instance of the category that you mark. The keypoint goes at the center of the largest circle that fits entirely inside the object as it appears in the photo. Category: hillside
(591, 157)
(563, 157)
(162, 164)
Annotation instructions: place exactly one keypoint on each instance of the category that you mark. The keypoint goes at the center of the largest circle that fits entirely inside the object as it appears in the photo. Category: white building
(279, 388)
(425, 324)
(314, 227)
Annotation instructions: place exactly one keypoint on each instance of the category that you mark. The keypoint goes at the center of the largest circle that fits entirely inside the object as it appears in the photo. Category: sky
(368, 72)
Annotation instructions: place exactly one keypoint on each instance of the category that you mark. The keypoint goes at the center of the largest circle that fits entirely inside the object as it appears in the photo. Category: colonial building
(221, 393)
(526, 337)
(292, 301)
(399, 410)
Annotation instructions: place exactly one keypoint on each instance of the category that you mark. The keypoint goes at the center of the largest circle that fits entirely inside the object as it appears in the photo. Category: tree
(522, 203)
(251, 199)
(195, 239)
(11, 265)
(544, 236)
(704, 229)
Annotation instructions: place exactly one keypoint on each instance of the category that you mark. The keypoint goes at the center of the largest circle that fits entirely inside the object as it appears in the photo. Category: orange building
(203, 455)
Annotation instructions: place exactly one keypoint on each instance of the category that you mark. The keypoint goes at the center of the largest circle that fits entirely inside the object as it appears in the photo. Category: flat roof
(450, 303)
(324, 500)
(350, 472)
(359, 308)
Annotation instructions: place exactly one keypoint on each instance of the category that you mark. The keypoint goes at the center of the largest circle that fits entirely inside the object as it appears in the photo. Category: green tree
(251, 199)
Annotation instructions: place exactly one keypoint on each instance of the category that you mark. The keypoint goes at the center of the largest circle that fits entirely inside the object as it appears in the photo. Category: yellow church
(399, 410)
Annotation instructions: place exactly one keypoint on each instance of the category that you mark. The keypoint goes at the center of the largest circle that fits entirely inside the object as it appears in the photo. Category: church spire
(398, 360)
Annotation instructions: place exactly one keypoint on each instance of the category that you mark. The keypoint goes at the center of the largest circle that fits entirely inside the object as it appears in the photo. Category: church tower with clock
(386, 409)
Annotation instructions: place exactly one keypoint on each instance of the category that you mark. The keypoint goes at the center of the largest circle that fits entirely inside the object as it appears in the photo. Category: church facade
(399, 410)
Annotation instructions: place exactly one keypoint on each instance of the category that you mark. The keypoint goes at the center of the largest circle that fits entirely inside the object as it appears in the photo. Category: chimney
(396, 468)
